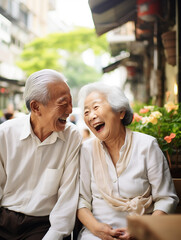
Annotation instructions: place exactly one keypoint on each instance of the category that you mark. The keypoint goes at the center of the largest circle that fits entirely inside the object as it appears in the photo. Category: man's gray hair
(114, 95)
(36, 87)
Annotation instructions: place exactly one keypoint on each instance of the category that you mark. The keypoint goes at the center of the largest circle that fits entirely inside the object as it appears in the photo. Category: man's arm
(62, 217)
(2, 178)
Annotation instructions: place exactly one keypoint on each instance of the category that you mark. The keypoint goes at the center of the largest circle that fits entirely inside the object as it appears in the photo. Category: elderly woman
(122, 172)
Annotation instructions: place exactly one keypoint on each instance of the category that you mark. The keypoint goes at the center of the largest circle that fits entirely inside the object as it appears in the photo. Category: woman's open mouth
(99, 126)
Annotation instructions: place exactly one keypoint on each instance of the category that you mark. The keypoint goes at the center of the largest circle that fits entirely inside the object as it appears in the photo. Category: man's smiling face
(57, 110)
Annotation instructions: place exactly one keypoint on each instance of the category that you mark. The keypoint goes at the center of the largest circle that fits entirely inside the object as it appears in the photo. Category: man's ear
(35, 107)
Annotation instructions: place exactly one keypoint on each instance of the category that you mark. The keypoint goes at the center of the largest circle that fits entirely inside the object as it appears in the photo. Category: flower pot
(169, 43)
(169, 39)
(170, 52)
(174, 161)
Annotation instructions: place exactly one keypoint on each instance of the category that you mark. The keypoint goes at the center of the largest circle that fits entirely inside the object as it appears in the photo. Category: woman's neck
(114, 145)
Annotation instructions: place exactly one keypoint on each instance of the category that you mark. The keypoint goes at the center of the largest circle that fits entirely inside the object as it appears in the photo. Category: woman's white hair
(114, 95)
(36, 87)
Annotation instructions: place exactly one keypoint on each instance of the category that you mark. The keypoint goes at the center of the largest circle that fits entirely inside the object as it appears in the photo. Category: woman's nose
(92, 115)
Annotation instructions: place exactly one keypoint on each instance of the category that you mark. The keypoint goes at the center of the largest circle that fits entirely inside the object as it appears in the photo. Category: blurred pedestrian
(72, 119)
(6, 116)
(39, 158)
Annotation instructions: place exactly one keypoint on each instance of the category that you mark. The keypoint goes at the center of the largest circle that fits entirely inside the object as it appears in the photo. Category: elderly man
(39, 163)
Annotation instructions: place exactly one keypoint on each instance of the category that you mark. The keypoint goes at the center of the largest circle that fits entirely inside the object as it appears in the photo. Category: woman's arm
(101, 230)
(163, 191)
(84, 212)
(158, 212)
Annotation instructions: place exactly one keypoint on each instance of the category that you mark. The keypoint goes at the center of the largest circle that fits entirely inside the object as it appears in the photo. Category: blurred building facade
(20, 22)
(149, 30)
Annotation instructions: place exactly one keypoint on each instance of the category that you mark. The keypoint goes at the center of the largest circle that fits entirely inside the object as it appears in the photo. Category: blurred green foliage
(62, 52)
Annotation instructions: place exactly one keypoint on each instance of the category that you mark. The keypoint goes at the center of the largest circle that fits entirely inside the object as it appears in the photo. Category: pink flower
(144, 110)
(172, 135)
(168, 139)
(137, 117)
(171, 106)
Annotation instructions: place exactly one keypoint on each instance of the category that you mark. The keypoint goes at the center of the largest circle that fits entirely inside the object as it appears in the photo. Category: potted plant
(163, 123)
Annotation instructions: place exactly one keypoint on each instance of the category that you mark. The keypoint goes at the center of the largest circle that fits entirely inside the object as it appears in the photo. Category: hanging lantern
(148, 10)
(131, 72)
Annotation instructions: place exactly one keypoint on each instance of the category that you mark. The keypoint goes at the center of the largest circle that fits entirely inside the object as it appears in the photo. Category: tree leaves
(46, 52)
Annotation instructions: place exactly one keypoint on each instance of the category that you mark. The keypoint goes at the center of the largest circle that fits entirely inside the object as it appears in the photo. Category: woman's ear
(122, 114)
(35, 107)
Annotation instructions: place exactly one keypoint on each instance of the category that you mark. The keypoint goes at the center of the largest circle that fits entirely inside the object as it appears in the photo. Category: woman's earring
(122, 114)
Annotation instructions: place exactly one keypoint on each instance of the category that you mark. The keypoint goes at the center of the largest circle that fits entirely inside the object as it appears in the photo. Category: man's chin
(60, 127)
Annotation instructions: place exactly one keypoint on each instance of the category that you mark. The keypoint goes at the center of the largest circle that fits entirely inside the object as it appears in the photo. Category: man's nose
(69, 109)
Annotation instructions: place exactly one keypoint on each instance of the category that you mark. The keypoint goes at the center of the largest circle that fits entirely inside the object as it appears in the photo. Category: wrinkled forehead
(58, 88)
(94, 97)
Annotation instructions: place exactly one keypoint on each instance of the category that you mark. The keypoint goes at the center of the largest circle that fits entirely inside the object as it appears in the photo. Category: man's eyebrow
(61, 99)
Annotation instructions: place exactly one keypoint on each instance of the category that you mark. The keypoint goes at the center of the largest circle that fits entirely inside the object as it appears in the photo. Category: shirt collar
(27, 131)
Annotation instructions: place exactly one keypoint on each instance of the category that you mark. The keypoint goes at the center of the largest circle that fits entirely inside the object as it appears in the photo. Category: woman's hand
(106, 232)
(124, 235)
(101, 230)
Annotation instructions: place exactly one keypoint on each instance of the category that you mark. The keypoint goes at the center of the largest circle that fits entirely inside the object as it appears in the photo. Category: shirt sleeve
(85, 196)
(163, 191)
(2, 171)
(62, 216)
(2, 179)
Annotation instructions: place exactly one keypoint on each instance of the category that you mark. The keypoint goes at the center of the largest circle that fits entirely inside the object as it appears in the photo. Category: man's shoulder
(72, 130)
(13, 123)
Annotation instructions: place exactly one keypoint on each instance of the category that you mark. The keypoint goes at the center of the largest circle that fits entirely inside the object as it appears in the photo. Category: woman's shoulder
(87, 147)
(88, 143)
(143, 139)
(143, 136)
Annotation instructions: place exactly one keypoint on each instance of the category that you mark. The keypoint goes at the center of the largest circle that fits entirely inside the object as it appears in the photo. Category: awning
(12, 81)
(126, 60)
(110, 14)
(112, 66)
(120, 60)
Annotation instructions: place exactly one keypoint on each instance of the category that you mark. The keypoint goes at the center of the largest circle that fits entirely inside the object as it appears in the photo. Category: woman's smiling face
(100, 118)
